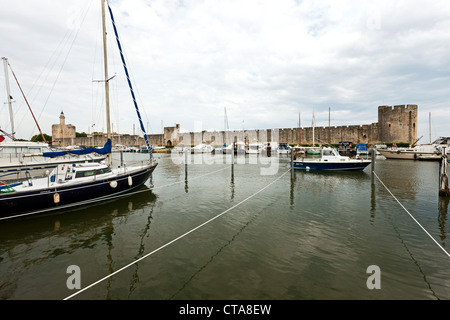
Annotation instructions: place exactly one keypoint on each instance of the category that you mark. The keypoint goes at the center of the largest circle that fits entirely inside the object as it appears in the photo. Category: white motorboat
(203, 148)
(417, 152)
(330, 159)
(255, 148)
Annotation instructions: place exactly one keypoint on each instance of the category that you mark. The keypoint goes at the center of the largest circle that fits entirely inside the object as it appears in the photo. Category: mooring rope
(411, 215)
(106, 198)
(177, 238)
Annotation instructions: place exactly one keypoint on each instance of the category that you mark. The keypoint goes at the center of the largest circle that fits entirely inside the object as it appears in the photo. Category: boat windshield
(89, 173)
(442, 140)
(328, 153)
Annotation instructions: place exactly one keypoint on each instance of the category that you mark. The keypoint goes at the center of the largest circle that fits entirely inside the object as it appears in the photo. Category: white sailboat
(22, 159)
(313, 150)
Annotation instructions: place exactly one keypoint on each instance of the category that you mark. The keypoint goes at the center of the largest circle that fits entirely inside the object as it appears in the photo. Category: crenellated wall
(396, 124)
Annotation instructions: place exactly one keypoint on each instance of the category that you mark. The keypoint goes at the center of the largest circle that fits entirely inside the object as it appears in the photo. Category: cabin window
(89, 173)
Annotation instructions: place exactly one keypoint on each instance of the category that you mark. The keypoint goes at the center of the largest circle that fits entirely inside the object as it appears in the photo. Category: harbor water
(253, 230)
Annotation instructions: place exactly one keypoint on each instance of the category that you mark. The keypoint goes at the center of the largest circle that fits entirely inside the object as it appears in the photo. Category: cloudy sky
(263, 61)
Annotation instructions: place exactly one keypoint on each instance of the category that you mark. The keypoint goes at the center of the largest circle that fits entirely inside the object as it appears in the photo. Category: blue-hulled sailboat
(72, 184)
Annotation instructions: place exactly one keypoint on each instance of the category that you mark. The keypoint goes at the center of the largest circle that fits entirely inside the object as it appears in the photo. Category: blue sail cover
(105, 150)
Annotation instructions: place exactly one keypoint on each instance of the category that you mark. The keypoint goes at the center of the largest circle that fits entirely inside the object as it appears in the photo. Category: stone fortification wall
(395, 124)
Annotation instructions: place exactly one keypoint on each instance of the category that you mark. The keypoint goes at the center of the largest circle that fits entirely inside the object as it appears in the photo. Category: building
(63, 134)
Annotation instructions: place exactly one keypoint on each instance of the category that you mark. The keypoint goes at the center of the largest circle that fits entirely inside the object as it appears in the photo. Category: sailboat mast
(105, 60)
(11, 115)
(429, 125)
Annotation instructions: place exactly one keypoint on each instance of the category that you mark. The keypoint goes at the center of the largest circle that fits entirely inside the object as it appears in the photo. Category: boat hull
(404, 155)
(332, 166)
(17, 204)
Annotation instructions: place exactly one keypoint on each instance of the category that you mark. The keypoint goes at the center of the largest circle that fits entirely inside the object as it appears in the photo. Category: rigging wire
(65, 40)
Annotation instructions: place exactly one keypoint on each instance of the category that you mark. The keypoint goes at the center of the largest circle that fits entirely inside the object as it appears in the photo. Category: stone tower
(398, 123)
(63, 133)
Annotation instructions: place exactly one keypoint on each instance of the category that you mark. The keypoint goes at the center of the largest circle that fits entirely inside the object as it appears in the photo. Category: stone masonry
(397, 124)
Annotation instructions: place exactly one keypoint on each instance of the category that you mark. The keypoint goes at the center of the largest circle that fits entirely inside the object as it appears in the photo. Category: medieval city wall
(397, 124)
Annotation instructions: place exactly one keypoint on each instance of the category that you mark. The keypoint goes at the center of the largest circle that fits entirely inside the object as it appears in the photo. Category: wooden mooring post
(372, 165)
(232, 160)
(443, 176)
(292, 163)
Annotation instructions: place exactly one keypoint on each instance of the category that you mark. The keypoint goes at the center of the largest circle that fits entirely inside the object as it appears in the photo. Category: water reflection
(373, 201)
(442, 217)
(232, 186)
(51, 237)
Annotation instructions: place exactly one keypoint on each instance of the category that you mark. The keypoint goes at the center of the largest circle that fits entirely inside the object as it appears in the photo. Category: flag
(2, 138)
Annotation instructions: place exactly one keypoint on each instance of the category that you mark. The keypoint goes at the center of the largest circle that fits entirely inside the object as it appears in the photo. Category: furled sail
(105, 150)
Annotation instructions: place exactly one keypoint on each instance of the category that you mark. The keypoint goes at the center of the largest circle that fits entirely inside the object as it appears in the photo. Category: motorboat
(203, 148)
(418, 152)
(284, 148)
(255, 148)
(181, 148)
(361, 150)
(330, 159)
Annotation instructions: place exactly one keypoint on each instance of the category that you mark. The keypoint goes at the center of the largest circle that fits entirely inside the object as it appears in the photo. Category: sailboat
(21, 159)
(73, 184)
(313, 150)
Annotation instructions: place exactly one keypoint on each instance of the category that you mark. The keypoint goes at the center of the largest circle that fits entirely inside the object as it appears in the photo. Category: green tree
(38, 138)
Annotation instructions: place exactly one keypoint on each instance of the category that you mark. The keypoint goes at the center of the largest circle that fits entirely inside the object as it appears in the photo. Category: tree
(38, 138)
(80, 134)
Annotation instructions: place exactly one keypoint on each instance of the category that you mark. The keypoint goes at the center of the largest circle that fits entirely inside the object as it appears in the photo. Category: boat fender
(130, 181)
(56, 197)
(113, 184)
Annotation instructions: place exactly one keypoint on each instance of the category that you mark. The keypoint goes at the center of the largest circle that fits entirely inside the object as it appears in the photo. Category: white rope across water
(411, 215)
(127, 194)
(178, 238)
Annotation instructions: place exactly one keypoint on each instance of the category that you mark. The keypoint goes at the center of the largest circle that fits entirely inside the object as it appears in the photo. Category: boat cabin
(16, 149)
(66, 172)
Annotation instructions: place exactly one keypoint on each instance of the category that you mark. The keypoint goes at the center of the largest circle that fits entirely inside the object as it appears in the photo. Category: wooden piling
(443, 176)
(372, 170)
(292, 162)
(232, 160)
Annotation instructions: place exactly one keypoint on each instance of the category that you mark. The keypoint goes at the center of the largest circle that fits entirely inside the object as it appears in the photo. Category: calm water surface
(305, 236)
